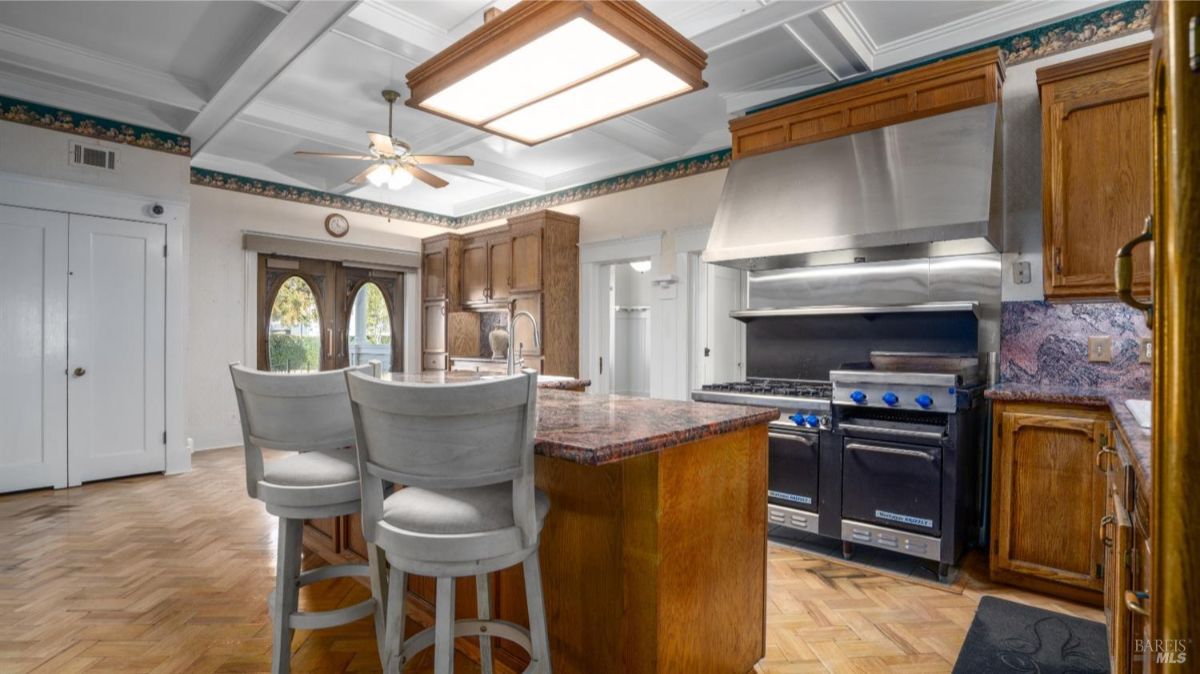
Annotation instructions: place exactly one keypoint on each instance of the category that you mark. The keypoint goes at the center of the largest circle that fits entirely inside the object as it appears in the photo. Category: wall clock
(337, 225)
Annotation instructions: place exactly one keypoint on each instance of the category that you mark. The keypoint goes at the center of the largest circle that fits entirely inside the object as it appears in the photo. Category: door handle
(1133, 602)
(79, 372)
(1102, 465)
(1123, 270)
(895, 451)
(1104, 522)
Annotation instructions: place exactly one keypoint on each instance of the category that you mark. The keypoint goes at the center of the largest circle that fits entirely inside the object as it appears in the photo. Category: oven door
(892, 485)
(793, 459)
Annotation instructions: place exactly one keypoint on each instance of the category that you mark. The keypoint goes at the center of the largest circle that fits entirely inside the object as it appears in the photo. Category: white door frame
(67, 197)
(593, 256)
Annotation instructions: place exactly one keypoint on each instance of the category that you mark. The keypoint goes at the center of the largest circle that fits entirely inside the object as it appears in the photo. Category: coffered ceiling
(251, 82)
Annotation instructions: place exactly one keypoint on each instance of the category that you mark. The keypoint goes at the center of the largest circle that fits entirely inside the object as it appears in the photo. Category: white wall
(631, 288)
(218, 287)
(43, 153)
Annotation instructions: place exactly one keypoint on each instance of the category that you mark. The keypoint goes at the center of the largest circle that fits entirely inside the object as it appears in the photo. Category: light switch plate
(1022, 273)
(1145, 348)
(1100, 349)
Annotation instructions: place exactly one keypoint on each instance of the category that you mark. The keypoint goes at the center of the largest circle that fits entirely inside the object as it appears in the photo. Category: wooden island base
(655, 563)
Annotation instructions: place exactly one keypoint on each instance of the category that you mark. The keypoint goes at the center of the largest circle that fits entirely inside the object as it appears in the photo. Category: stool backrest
(296, 412)
(446, 436)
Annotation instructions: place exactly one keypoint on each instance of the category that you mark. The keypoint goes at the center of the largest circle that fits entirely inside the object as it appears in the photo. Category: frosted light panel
(567, 54)
(639, 83)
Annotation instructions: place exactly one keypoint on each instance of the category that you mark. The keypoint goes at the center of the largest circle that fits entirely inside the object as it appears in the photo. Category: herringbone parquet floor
(155, 574)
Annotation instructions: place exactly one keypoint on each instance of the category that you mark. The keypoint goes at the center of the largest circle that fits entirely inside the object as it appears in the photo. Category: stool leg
(287, 589)
(394, 632)
(443, 631)
(483, 605)
(537, 613)
(377, 567)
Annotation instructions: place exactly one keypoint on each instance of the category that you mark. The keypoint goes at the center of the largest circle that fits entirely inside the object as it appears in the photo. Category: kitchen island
(654, 551)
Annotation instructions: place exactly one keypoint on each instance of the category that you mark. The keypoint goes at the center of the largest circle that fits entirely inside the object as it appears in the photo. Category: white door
(725, 352)
(33, 349)
(116, 348)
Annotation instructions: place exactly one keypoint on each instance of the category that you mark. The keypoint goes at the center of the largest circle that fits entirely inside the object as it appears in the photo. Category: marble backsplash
(1046, 344)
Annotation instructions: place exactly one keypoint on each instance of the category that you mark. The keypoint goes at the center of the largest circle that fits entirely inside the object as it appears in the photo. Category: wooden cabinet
(1047, 498)
(1096, 170)
(475, 272)
(527, 260)
(530, 264)
(499, 263)
(945, 86)
(1125, 532)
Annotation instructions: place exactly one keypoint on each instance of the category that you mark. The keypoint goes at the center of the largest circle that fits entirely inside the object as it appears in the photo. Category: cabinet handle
(1133, 602)
(1057, 260)
(329, 345)
(1102, 465)
(1104, 522)
(1123, 270)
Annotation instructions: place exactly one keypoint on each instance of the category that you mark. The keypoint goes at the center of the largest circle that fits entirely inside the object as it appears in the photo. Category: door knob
(79, 372)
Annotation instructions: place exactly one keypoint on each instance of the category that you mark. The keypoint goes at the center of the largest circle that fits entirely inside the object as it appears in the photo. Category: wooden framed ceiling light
(543, 69)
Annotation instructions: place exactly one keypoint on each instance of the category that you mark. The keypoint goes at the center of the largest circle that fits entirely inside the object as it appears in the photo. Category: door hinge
(601, 364)
(164, 437)
(707, 352)
(1194, 43)
(1099, 570)
(164, 250)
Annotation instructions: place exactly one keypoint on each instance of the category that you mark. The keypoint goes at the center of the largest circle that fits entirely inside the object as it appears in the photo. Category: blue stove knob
(858, 397)
(812, 420)
(797, 418)
(924, 401)
(891, 398)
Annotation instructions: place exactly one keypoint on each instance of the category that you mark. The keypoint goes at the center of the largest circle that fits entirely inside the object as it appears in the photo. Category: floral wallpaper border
(1093, 27)
(46, 117)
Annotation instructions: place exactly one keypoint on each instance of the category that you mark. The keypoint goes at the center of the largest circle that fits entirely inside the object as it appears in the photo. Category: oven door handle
(912, 453)
(855, 428)
(784, 435)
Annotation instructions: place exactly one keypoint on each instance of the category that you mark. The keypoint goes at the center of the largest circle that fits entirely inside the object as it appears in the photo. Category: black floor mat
(1010, 637)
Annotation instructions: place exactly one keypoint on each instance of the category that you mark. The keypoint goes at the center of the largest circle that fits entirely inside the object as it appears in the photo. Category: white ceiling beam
(851, 32)
(776, 87)
(527, 184)
(824, 43)
(405, 25)
(297, 31)
(758, 21)
(66, 61)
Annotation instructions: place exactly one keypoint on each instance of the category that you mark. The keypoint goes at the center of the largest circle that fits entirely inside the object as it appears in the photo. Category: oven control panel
(895, 395)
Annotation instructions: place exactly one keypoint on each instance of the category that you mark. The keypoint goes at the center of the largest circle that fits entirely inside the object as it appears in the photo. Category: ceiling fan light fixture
(379, 175)
(544, 69)
(399, 179)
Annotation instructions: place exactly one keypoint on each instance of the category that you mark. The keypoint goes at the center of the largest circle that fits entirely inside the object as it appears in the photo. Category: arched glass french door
(322, 315)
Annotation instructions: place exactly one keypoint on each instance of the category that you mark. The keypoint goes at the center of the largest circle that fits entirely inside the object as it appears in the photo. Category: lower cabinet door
(1117, 530)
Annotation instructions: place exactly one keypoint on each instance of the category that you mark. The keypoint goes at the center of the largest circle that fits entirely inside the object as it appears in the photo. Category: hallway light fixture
(544, 69)
(641, 266)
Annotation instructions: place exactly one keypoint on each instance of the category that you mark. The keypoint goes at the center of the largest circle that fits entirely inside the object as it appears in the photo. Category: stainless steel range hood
(925, 188)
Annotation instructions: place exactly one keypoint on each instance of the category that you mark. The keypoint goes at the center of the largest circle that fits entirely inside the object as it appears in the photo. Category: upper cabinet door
(435, 275)
(474, 274)
(1096, 170)
(527, 261)
(500, 268)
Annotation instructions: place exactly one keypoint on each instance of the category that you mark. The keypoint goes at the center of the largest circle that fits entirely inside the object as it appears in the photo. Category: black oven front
(793, 463)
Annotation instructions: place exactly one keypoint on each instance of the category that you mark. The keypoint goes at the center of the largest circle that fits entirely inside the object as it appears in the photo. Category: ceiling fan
(394, 163)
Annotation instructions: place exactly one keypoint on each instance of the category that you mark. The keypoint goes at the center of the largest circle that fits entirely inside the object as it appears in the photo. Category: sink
(1140, 410)
(541, 377)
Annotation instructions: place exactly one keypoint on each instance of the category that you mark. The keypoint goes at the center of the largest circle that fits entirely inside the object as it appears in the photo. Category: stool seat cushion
(456, 511)
(313, 469)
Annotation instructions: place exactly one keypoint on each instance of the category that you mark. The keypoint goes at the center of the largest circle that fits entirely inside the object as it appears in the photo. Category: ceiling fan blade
(382, 143)
(333, 155)
(425, 176)
(442, 159)
(362, 175)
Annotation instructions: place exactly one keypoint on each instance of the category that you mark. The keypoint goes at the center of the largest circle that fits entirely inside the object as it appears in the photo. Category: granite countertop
(545, 381)
(595, 430)
(1136, 437)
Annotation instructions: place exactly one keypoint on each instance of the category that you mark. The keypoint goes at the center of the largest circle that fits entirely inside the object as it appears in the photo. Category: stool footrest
(317, 620)
(333, 571)
(501, 629)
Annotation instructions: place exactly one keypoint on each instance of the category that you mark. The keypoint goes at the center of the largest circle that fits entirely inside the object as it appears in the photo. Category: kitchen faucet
(519, 360)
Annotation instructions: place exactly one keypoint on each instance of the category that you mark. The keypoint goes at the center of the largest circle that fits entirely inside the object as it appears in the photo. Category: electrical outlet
(1145, 347)
(1100, 349)
(1022, 273)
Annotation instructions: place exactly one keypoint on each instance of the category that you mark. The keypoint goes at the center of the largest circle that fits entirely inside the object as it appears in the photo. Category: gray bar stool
(468, 507)
(308, 414)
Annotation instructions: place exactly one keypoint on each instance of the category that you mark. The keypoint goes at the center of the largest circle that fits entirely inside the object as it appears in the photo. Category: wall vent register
(82, 154)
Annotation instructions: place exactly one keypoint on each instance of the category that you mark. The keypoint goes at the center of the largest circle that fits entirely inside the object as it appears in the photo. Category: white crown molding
(71, 98)
(403, 25)
(71, 62)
